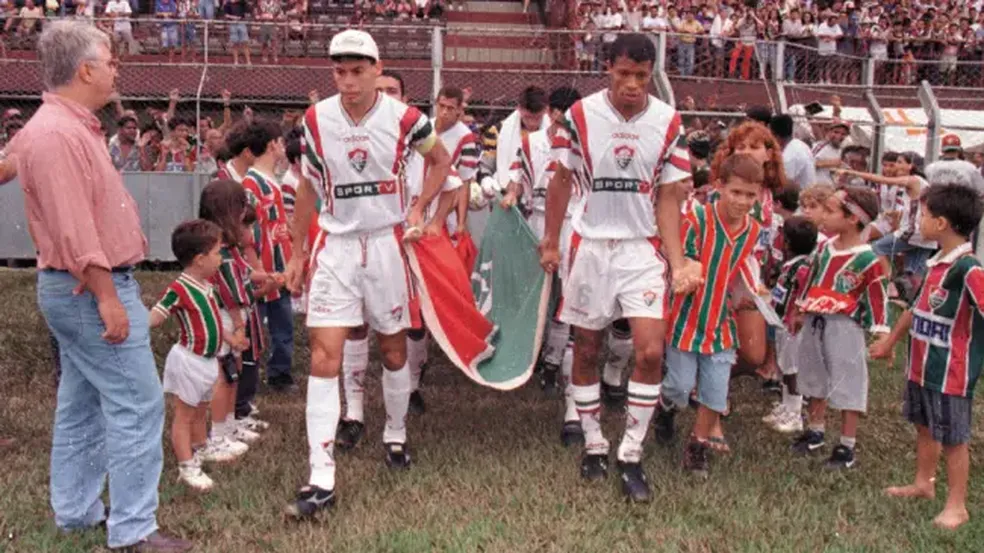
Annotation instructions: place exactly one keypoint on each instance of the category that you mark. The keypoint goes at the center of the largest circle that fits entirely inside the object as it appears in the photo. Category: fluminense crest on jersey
(358, 158)
(623, 156)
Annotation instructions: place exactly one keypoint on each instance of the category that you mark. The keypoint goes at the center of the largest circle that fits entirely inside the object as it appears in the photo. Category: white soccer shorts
(538, 223)
(360, 278)
(612, 279)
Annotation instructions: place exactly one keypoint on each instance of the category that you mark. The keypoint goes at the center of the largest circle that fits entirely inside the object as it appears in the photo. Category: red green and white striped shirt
(231, 281)
(849, 282)
(702, 321)
(270, 233)
(792, 280)
(194, 304)
(946, 351)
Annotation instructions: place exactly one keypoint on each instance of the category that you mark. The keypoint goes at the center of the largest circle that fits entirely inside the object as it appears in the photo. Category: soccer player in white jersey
(356, 144)
(530, 174)
(627, 152)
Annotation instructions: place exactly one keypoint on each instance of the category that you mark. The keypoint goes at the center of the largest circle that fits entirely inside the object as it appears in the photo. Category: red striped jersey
(271, 232)
(624, 161)
(533, 169)
(849, 282)
(231, 281)
(359, 168)
(288, 187)
(194, 304)
(462, 145)
(946, 350)
(792, 280)
(703, 321)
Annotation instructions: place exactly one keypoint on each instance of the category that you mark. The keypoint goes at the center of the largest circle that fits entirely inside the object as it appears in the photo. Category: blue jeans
(279, 316)
(789, 60)
(110, 413)
(685, 59)
(206, 9)
(710, 373)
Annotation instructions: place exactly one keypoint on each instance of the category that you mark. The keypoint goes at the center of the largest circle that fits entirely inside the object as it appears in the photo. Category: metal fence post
(877, 131)
(932, 108)
(660, 78)
(778, 61)
(437, 62)
(198, 94)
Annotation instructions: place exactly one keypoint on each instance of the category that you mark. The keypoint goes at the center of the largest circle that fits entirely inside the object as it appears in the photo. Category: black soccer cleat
(349, 434)
(572, 434)
(416, 406)
(664, 428)
(613, 396)
(549, 381)
(695, 458)
(594, 467)
(770, 386)
(397, 456)
(808, 442)
(310, 500)
(635, 485)
(842, 458)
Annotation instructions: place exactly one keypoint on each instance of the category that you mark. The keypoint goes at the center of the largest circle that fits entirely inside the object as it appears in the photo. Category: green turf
(490, 475)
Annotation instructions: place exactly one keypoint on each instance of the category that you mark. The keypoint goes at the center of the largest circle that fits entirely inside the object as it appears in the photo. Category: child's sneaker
(191, 474)
(777, 409)
(242, 434)
(788, 422)
(808, 442)
(250, 422)
(695, 458)
(841, 458)
(221, 450)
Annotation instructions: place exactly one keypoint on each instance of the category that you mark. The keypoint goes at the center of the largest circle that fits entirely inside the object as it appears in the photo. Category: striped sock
(638, 413)
(587, 399)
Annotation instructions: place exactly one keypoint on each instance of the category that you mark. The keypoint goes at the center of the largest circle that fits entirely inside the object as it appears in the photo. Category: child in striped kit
(191, 368)
(799, 237)
(845, 294)
(946, 348)
(703, 335)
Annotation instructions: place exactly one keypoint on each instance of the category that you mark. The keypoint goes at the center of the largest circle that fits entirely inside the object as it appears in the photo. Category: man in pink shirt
(86, 228)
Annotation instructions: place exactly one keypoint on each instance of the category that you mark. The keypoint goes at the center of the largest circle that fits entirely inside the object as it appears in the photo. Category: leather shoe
(157, 543)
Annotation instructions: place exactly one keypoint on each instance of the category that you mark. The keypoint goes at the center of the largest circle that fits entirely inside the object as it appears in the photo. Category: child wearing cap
(946, 349)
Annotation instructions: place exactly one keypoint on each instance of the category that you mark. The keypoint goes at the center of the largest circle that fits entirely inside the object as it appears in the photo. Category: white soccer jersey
(462, 144)
(360, 169)
(533, 169)
(623, 163)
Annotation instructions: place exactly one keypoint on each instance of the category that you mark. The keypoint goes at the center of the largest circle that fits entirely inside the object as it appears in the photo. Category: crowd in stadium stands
(727, 38)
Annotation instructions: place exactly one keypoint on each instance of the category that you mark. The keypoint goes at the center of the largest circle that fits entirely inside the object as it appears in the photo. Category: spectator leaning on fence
(236, 12)
(110, 412)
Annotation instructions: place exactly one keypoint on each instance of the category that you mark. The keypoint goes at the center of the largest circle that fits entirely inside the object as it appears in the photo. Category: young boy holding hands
(946, 348)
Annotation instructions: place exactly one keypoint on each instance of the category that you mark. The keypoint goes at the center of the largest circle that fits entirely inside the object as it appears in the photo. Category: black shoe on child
(695, 458)
(842, 458)
(808, 442)
(349, 434)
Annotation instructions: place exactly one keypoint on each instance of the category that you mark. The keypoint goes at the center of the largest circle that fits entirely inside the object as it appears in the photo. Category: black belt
(120, 269)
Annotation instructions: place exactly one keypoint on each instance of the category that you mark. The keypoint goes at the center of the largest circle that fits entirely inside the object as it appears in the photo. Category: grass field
(490, 475)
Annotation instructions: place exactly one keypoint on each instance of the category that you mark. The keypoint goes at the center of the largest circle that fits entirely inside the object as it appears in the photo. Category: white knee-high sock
(396, 396)
(355, 361)
(566, 368)
(638, 413)
(588, 402)
(323, 411)
(416, 357)
(557, 337)
(619, 353)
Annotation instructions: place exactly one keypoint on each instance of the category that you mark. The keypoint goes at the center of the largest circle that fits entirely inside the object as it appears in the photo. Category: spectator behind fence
(797, 159)
(86, 228)
(952, 167)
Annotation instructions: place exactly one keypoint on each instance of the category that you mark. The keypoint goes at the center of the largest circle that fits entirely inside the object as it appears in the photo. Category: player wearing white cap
(626, 149)
(355, 150)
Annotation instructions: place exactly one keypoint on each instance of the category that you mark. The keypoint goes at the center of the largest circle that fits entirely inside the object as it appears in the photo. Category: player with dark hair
(356, 146)
(622, 150)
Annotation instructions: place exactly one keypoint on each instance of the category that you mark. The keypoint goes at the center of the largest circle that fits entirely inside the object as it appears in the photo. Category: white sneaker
(221, 450)
(242, 434)
(252, 423)
(788, 422)
(777, 410)
(193, 476)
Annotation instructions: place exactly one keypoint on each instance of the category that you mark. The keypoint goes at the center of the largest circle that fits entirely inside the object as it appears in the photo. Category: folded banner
(447, 306)
(513, 291)
(492, 329)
